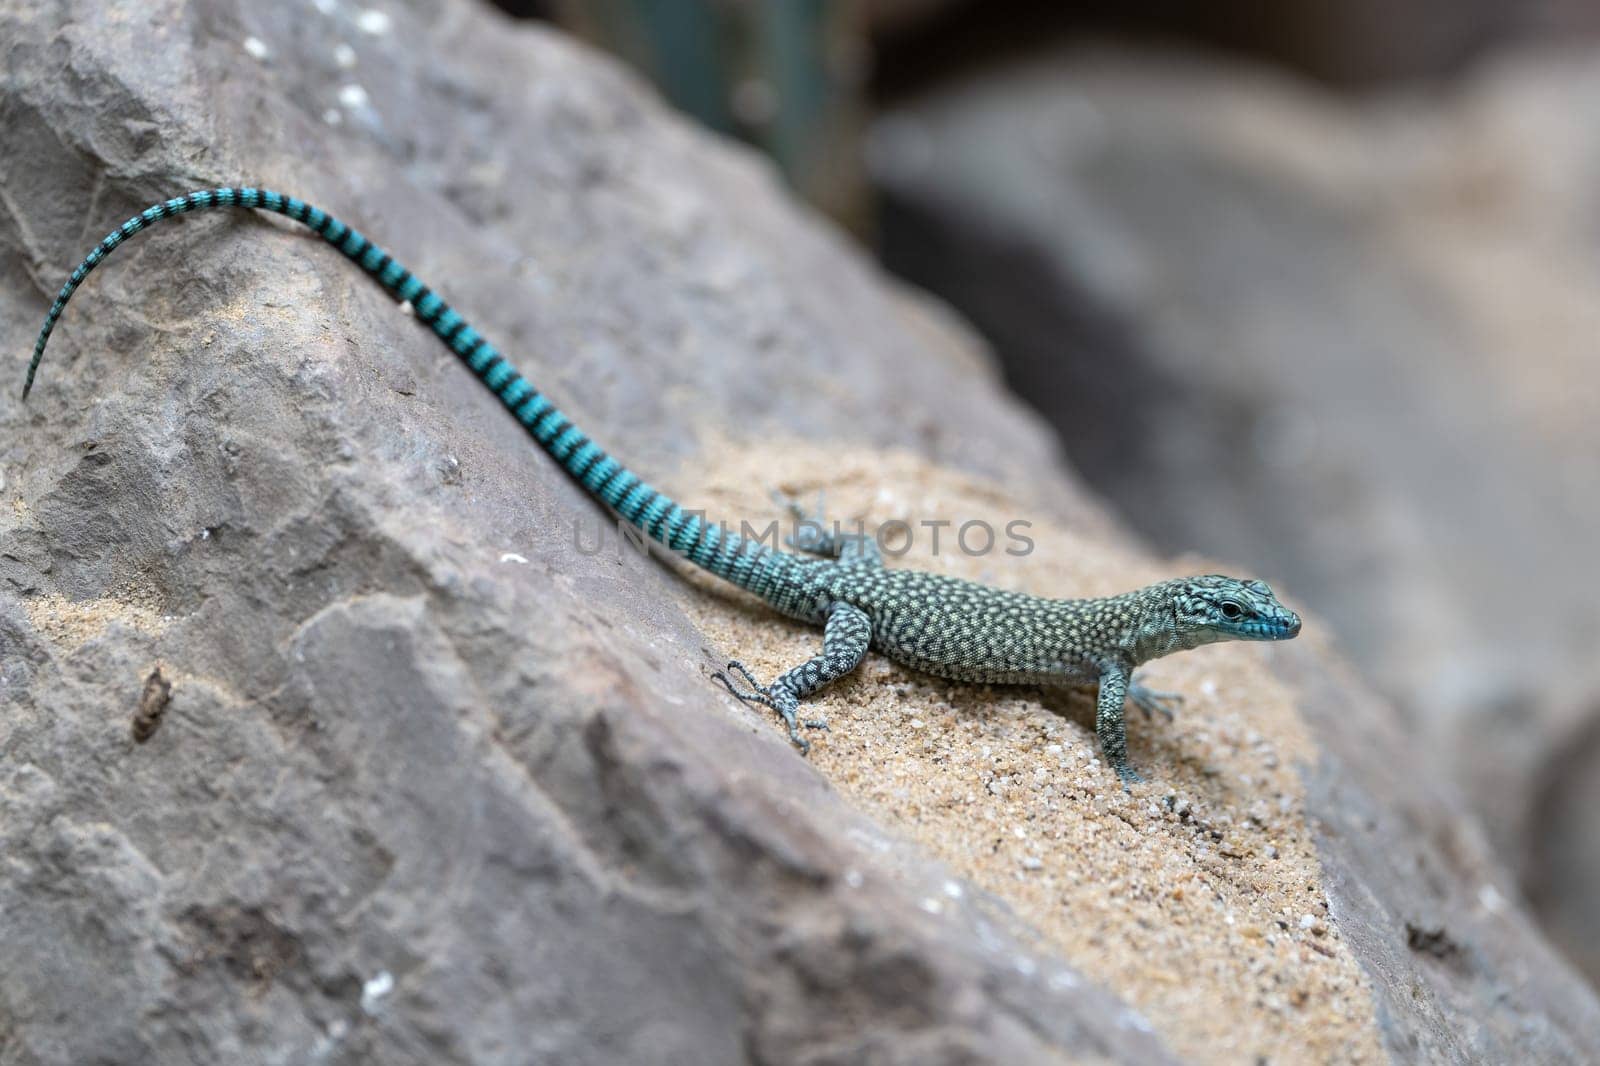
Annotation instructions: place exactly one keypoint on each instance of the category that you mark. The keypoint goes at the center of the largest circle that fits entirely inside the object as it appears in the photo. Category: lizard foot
(810, 528)
(813, 534)
(1151, 702)
(777, 698)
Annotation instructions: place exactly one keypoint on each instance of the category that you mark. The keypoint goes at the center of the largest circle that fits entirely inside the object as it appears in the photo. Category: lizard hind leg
(813, 534)
(809, 533)
(845, 638)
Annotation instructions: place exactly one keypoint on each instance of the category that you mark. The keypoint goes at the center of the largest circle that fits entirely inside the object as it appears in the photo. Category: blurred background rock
(1310, 288)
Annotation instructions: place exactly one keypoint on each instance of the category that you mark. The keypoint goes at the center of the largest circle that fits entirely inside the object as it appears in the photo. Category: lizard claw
(1151, 702)
(779, 700)
(739, 668)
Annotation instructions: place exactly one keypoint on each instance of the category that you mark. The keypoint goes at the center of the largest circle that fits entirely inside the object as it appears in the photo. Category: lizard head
(1212, 607)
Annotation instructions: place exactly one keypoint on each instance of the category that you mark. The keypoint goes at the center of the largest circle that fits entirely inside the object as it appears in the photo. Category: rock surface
(1353, 344)
(434, 785)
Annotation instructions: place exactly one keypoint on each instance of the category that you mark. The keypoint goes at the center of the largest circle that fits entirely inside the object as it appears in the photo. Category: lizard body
(935, 623)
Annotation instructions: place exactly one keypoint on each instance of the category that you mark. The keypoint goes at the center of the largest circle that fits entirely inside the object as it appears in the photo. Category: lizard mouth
(1284, 626)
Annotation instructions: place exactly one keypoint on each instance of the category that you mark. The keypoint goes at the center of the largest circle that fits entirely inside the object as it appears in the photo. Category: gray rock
(1459, 971)
(433, 785)
(1563, 860)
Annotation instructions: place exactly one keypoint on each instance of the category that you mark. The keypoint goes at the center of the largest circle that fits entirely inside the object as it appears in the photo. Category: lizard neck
(1154, 631)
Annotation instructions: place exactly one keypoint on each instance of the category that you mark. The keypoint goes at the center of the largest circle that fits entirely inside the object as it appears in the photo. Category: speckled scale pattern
(931, 622)
(959, 629)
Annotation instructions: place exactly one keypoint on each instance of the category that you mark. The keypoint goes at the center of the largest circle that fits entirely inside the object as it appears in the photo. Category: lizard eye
(1231, 611)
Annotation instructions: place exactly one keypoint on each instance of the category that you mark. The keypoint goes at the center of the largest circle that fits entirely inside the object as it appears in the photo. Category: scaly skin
(936, 624)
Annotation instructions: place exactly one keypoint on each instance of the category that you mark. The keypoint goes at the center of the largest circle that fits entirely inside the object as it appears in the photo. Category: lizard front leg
(1109, 725)
(845, 638)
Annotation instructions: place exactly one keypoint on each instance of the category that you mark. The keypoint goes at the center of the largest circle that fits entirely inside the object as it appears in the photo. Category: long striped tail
(724, 553)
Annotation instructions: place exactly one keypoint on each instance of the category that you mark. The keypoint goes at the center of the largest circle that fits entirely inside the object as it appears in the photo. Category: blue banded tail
(720, 551)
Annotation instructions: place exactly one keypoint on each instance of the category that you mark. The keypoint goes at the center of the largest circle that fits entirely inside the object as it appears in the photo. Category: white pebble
(1307, 921)
(513, 557)
(256, 48)
(344, 55)
(375, 989)
(953, 889)
(932, 906)
(332, 116)
(373, 22)
(1032, 862)
(353, 96)
(406, 308)
(325, 6)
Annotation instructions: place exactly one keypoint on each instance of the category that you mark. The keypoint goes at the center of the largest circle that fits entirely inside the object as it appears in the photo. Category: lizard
(934, 623)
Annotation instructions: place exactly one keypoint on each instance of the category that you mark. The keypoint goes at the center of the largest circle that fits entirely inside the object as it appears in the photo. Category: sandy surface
(72, 625)
(1198, 898)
